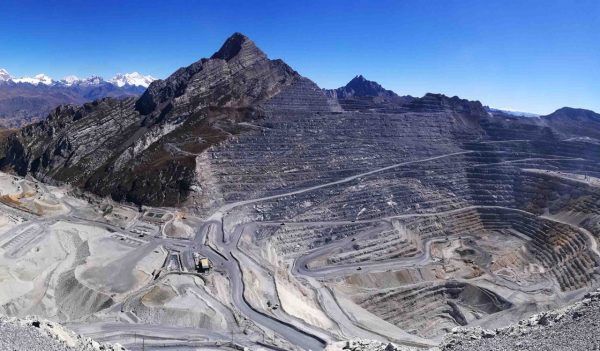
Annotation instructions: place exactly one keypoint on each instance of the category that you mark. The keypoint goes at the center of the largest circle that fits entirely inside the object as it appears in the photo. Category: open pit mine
(237, 204)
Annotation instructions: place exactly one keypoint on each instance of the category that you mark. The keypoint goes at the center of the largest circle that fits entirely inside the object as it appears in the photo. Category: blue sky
(533, 56)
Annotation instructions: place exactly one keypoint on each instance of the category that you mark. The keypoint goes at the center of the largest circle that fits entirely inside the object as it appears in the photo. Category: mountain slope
(144, 151)
(575, 122)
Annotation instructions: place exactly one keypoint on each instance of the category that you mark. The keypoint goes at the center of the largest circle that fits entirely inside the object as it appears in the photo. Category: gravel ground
(573, 328)
(32, 334)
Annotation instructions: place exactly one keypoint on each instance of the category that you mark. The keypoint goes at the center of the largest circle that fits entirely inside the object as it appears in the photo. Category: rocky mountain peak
(360, 86)
(361, 80)
(239, 73)
(236, 44)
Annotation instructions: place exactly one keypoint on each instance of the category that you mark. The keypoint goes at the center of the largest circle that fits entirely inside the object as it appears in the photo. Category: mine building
(203, 264)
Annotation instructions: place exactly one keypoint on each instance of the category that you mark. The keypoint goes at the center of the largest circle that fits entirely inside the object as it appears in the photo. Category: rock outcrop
(32, 333)
(574, 327)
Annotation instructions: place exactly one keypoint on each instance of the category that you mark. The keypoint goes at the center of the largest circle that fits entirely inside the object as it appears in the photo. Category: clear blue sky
(533, 56)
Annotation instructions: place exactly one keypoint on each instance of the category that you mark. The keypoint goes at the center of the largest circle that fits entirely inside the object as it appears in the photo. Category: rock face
(238, 76)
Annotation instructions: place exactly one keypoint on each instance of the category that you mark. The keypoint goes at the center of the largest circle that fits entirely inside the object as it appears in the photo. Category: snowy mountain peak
(74, 80)
(38, 79)
(70, 80)
(4, 75)
(93, 80)
(134, 78)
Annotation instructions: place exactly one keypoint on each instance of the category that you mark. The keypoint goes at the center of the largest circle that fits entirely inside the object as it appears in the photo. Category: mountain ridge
(132, 79)
(152, 146)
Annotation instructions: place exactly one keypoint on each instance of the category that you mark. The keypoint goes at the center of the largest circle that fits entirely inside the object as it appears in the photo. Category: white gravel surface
(34, 334)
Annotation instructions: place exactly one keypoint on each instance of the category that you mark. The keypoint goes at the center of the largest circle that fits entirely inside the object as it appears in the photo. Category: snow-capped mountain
(37, 79)
(29, 99)
(4, 75)
(70, 80)
(90, 81)
(134, 78)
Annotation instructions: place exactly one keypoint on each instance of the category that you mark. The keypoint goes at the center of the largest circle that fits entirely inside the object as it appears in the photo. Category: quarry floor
(118, 273)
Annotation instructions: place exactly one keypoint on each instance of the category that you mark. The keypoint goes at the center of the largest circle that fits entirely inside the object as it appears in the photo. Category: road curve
(292, 334)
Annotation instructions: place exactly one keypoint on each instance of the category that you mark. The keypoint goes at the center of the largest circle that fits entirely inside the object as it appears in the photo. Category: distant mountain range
(28, 99)
(120, 80)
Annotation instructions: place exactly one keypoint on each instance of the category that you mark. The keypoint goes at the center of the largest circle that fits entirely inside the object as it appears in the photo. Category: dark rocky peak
(236, 45)
(361, 87)
(239, 74)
